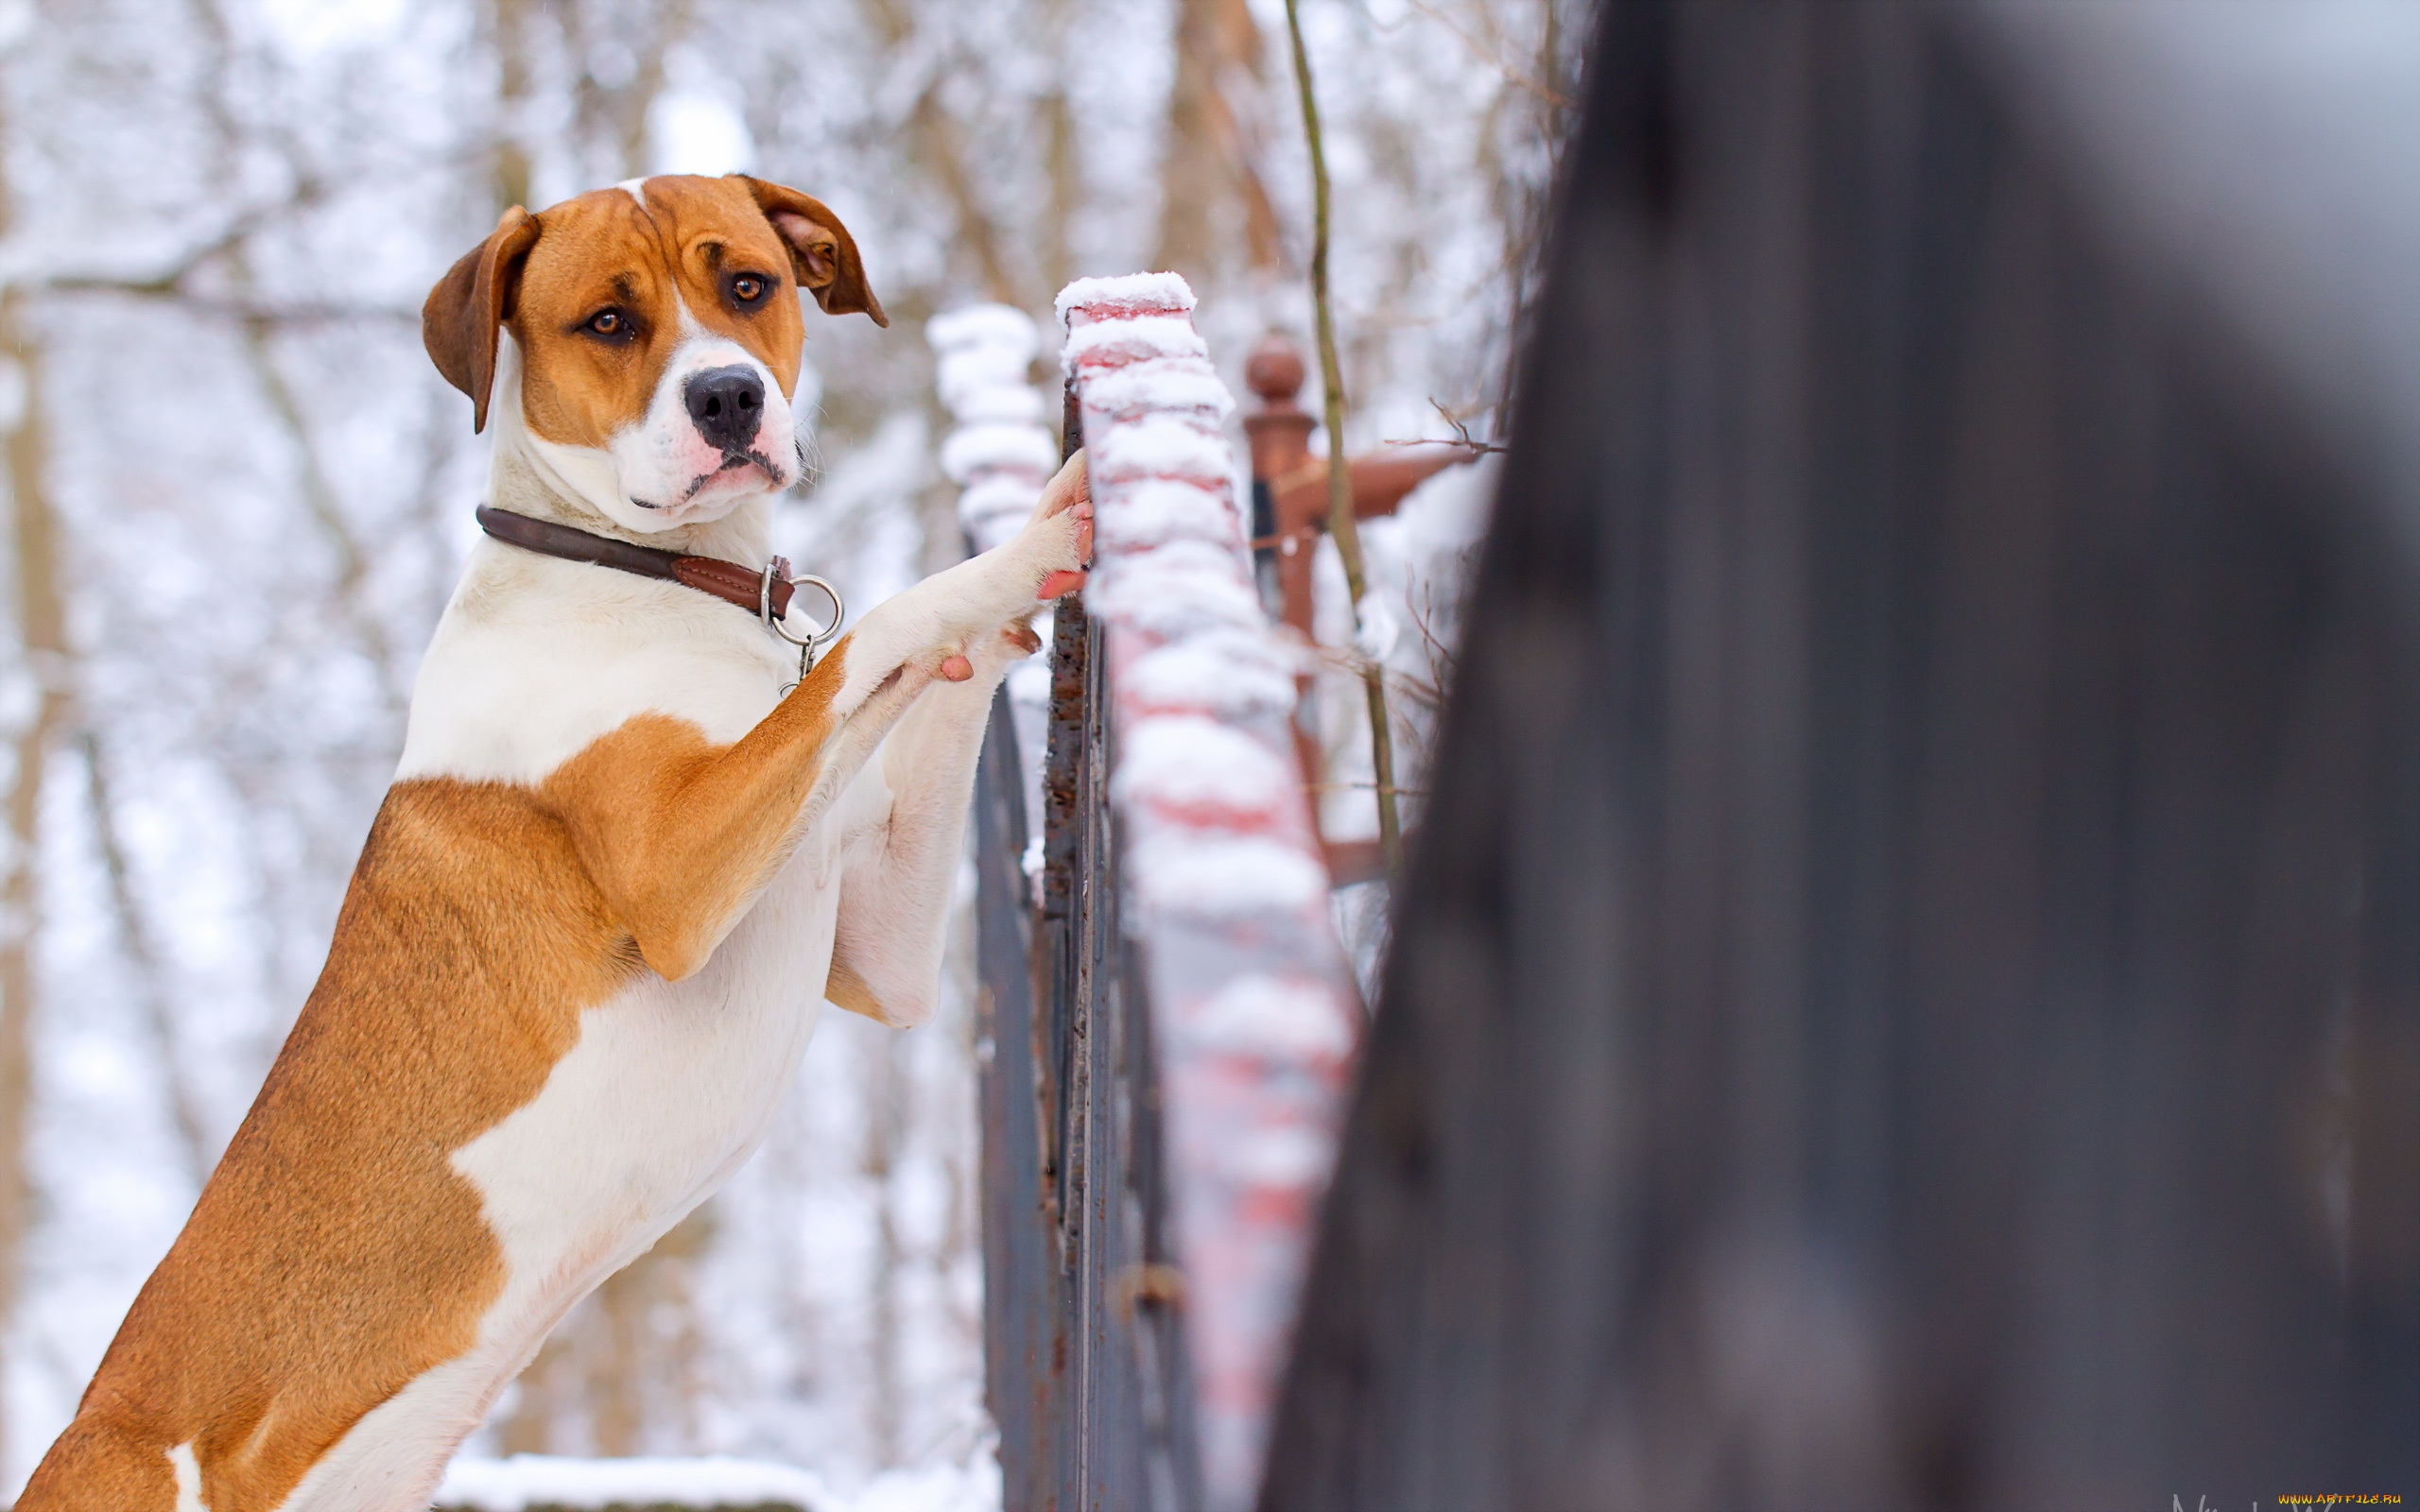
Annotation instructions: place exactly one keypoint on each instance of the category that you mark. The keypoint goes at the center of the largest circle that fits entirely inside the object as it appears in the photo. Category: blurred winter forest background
(237, 496)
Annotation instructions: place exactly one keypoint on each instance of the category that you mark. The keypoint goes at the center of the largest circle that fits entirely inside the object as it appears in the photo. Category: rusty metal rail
(1083, 1355)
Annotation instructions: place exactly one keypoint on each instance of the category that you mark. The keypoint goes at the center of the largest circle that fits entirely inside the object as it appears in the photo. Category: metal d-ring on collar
(814, 642)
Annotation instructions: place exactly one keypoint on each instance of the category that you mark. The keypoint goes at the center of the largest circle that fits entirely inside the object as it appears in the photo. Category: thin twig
(1512, 76)
(1339, 476)
(1463, 435)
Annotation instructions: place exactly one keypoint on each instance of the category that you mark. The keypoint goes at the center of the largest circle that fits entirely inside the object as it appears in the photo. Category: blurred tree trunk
(507, 24)
(42, 631)
(941, 149)
(1209, 167)
(612, 116)
(1058, 114)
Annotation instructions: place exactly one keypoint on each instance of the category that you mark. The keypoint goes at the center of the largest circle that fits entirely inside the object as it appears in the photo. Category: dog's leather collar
(726, 580)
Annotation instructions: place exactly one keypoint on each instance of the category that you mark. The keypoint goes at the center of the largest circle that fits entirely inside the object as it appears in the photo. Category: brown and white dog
(586, 940)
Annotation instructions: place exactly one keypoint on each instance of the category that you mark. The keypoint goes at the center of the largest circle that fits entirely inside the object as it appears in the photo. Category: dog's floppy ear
(823, 255)
(466, 311)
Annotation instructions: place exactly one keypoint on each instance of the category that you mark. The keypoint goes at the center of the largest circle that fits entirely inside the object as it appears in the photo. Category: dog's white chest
(536, 658)
(669, 1087)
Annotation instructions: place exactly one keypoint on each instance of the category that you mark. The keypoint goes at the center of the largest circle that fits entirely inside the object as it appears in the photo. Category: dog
(618, 869)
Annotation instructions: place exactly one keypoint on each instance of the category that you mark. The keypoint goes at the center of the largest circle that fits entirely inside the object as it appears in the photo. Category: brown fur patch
(336, 1254)
(679, 834)
(844, 988)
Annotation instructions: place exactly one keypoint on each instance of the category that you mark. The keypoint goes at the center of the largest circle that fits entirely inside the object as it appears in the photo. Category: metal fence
(1083, 1355)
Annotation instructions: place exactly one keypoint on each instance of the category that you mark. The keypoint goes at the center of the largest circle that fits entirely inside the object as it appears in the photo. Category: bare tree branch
(1487, 56)
(1340, 524)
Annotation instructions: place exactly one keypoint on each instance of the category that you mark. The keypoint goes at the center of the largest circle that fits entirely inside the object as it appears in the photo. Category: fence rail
(1085, 1356)
(1168, 1012)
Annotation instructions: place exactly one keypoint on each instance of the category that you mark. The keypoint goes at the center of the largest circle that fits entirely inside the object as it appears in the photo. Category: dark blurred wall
(1909, 994)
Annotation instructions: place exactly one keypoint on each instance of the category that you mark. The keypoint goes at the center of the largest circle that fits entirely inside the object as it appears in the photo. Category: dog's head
(656, 337)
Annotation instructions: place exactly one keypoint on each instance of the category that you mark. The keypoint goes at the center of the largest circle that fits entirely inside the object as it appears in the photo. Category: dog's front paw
(1058, 537)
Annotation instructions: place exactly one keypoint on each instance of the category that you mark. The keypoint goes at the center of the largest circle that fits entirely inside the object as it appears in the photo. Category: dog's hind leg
(97, 1468)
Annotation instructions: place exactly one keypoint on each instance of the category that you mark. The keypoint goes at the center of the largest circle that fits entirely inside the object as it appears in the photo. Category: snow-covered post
(1000, 455)
(1254, 1014)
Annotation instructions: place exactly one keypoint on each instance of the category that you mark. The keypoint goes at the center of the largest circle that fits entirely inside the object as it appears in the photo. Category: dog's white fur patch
(187, 1470)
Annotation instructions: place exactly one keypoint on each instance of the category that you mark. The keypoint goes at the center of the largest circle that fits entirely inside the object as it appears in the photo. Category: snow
(995, 508)
(1116, 344)
(549, 1480)
(985, 328)
(1284, 1157)
(1161, 446)
(993, 446)
(1199, 770)
(1228, 895)
(1127, 293)
(1184, 586)
(1159, 510)
(1186, 384)
(525, 1482)
(1010, 403)
(1000, 454)
(1235, 675)
(1276, 1017)
(1225, 877)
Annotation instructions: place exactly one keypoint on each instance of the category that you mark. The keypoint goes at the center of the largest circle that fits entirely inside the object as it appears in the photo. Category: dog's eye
(608, 323)
(750, 288)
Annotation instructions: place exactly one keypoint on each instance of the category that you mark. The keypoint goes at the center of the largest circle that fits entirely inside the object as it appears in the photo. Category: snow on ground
(529, 1483)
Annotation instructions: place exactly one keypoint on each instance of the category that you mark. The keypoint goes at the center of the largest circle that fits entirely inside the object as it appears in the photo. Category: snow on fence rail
(1251, 1006)
(1167, 1016)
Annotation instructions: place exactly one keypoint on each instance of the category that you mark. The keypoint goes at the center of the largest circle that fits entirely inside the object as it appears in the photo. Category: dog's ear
(466, 311)
(823, 255)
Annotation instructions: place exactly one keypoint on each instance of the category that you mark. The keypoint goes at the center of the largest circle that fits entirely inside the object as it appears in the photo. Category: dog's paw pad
(955, 669)
(1058, 583)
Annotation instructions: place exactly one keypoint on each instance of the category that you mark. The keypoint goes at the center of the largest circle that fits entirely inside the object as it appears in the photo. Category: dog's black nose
(727, 404)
